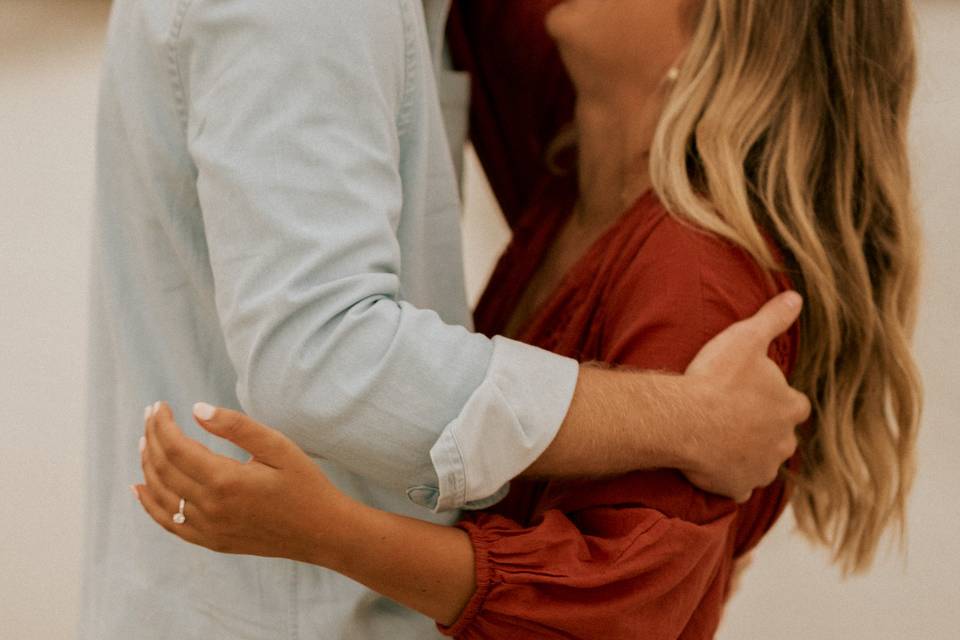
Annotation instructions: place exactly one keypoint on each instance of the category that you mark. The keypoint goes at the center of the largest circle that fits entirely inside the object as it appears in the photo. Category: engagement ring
(178, 517)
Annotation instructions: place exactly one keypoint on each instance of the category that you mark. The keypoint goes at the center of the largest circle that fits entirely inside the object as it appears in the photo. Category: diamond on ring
(178, 517)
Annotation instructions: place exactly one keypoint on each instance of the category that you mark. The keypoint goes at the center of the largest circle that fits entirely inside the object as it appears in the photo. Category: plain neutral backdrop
(49, 54)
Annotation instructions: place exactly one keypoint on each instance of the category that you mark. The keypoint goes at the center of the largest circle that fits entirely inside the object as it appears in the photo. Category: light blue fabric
(277, 230)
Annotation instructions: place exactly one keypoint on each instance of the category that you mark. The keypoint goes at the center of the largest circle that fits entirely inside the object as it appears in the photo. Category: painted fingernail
(143, 443)
(146, 412)
(136, 494)
(156, 407)
(204, 411)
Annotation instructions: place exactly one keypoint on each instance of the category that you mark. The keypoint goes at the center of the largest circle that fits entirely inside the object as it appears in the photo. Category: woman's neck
(614, 139)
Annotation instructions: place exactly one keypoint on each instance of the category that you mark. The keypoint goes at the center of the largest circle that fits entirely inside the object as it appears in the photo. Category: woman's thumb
(265, 444)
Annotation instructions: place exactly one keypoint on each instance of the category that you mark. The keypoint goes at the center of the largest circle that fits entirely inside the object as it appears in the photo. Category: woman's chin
(560, 19)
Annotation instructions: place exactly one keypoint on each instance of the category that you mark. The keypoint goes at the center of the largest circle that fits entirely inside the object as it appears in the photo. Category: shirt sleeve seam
(405, 112)
(173, 53)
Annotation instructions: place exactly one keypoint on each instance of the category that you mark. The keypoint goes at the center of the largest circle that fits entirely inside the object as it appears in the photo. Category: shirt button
(423, 496)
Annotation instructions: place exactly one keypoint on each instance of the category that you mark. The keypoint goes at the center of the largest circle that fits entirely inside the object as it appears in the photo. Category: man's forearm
(728, 423)
(604, 433)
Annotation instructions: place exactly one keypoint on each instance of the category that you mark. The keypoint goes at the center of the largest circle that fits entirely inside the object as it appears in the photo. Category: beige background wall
(49, 52)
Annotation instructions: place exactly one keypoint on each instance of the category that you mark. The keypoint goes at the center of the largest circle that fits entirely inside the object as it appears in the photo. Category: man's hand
(728, 424)
(750, 412)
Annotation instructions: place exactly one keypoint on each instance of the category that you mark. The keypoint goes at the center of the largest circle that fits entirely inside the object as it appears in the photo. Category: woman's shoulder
(675, 253)
(679, 285)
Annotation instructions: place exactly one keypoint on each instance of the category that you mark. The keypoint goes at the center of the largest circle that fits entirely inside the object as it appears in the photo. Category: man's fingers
(267, 445)
(190, 457)
(775, 317)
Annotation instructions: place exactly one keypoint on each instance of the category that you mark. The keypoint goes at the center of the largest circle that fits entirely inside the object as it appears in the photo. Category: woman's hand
(278, 504)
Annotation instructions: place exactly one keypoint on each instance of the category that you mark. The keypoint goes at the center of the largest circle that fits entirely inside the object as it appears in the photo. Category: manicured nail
(156, 407)
(143, 443)
(147, 412)
(204, 411)
(136, 494)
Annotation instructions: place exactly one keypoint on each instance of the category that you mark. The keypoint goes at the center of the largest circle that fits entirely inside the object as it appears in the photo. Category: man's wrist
(697, 404)
(670, 427)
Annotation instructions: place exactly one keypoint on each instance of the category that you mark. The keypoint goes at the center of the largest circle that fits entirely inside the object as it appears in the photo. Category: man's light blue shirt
(277, 230)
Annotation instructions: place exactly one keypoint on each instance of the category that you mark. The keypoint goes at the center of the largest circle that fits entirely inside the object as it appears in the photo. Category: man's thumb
(265, 444)
(775, 317)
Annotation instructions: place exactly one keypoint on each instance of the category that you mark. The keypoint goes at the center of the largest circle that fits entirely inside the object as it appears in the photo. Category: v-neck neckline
(529, 325)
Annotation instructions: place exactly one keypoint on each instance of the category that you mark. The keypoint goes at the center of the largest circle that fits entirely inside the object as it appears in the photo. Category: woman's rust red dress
(645, 555)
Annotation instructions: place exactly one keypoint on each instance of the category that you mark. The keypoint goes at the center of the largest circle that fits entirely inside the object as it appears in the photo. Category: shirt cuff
(507, 423)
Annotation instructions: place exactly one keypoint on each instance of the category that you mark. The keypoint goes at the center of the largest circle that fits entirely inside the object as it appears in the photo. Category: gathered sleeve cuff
(622, 570)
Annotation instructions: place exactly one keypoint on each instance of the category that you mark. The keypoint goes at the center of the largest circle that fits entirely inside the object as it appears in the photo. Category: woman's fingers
(267, 445)
(190, 457)
(255, 508)
(162, 470)
(163, 496)
(164, 517)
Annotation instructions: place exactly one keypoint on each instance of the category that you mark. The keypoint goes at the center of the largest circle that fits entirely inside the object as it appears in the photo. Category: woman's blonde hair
(788, 119)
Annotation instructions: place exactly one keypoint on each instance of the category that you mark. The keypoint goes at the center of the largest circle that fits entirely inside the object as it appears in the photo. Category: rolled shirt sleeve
(294, 115)
(508, 422)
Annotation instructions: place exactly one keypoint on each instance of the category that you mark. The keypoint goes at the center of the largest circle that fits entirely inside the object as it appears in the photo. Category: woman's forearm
(424, 566)
(281, 504)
